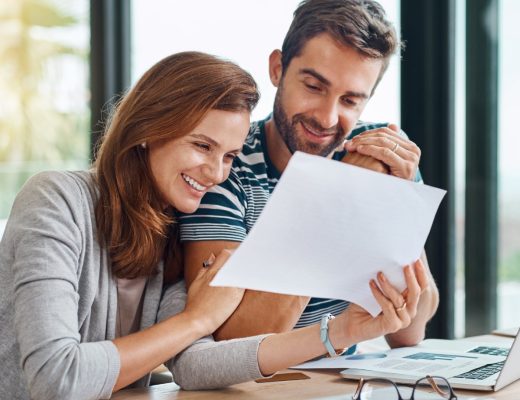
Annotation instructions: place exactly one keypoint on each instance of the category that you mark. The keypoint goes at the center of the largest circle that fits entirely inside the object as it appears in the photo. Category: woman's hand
(209, 305)
(398, 309)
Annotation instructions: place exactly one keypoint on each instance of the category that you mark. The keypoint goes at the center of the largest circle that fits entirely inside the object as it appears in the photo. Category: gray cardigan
(58, 304)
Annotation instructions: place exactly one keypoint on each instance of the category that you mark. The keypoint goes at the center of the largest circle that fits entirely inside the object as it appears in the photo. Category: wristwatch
(324, 334)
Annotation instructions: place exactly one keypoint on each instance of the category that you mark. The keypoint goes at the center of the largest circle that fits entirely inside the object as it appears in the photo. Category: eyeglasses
(437, 386)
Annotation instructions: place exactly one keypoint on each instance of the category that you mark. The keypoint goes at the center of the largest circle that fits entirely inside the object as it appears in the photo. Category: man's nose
(327, 114)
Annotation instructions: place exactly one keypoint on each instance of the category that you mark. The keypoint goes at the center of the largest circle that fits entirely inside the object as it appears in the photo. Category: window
(508, 167)
(44, 115)
(245, 32)
(508, 240)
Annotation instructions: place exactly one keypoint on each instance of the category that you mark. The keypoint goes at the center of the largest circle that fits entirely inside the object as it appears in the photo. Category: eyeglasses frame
(431, 381)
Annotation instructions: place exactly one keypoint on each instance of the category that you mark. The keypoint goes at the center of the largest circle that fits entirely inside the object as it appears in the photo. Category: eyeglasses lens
(378, 390)
(432, 388)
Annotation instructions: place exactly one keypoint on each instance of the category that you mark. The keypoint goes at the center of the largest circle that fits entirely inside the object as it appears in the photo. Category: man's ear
(275, 67)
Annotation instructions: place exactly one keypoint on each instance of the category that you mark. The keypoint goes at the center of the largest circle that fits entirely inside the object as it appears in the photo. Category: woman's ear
(275, 67)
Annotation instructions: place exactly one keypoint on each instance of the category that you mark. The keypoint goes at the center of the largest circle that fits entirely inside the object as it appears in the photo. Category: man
(333, 57)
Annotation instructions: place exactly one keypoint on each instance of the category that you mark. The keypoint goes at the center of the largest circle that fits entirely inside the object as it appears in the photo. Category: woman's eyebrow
(206, 138)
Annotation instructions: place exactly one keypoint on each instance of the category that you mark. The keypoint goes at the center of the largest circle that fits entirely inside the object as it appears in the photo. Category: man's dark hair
(361, 24)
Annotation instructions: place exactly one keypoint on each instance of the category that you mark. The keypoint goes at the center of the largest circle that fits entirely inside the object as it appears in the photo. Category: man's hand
(400, 155)
(367, 162)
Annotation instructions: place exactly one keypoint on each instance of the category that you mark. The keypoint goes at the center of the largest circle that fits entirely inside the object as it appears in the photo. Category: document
(328, 228)
(409, 361)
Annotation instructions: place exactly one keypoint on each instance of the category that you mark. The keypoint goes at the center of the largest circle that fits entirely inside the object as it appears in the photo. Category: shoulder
(253, 150)
(52, 204)
(363, 126)
(58, 186)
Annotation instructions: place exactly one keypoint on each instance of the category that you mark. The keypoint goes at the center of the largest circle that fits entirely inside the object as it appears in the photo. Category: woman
(91, 295)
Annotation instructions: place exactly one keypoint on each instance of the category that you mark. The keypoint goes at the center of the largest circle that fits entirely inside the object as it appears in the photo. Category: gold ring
(401, 308)
(395, 147)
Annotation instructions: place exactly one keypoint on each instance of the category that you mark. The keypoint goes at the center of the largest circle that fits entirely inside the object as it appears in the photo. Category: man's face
(321, 94)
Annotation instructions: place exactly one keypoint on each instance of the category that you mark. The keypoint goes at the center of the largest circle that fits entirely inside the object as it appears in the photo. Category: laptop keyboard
(491, 351)
(483, 372)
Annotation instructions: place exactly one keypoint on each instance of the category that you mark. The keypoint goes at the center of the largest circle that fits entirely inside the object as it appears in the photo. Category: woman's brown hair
(168, 102)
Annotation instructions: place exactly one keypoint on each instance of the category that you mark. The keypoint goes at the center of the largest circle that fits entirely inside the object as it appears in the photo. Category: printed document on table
(410, 361)
(328, 228)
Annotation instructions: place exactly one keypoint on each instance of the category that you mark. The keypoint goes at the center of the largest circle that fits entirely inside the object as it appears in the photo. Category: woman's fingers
(413, 290)
(390, 291)
(213, 264)
(389, 317)
(422, 275)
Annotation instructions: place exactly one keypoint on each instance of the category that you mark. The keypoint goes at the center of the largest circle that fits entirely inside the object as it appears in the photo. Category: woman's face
(185, 168)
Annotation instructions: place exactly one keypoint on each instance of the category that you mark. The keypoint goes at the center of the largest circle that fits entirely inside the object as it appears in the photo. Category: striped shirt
(229, 211)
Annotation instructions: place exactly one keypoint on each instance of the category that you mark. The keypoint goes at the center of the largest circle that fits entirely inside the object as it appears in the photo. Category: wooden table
(326, 385)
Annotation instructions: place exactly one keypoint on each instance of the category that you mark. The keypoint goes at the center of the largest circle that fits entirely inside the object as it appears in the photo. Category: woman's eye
(202, 146)
(231, 156)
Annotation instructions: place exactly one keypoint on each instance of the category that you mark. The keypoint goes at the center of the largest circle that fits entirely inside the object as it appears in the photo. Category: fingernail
(382, 277)
(209, 261)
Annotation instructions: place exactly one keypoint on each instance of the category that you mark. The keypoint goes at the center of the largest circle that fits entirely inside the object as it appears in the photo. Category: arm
(46, 239)
(193, 317)
(426, 307)
(46, 236)
(352, 326)
(208, 364)
(259, 312)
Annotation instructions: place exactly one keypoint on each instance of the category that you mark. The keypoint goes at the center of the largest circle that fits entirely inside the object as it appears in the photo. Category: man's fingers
(394, 127)
(387, 138)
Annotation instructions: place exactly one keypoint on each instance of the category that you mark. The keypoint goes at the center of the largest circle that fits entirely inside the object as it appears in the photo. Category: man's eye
(312, 87)
(349, 102)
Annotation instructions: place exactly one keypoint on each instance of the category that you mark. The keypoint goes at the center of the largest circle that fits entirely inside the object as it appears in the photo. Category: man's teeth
(193, 183)
(315, 133)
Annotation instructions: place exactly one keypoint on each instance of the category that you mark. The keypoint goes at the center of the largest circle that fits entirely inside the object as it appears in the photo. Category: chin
(187, 209)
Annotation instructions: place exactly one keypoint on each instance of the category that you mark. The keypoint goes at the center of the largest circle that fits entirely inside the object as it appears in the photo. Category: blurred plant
(510, 268)
(42, 123)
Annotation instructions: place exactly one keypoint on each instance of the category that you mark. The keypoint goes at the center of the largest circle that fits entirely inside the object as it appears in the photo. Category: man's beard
(290, 136)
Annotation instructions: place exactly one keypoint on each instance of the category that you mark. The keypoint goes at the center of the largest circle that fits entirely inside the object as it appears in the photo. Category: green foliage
(41, 125)
(510, 268)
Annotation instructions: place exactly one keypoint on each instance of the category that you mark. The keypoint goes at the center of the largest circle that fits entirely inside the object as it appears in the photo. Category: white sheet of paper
(328, 228)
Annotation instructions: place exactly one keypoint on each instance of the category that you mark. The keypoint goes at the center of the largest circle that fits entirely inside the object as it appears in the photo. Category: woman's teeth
(193, 183)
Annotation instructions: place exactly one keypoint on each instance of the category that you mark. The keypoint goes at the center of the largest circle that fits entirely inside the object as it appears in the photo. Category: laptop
(481, 365)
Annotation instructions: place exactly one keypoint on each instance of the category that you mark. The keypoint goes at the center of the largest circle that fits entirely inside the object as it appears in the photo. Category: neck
(276, 148)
